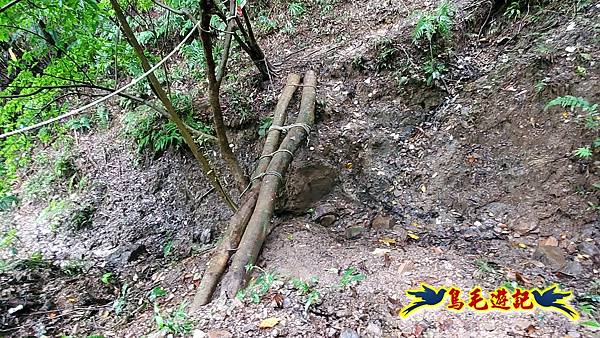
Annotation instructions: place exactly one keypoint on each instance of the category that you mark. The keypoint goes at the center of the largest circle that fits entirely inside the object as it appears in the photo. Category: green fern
(166, 136)
(572, 102)
(7, 201)
(437, 23)
(296, 9)
(592, 118)
(584, 152)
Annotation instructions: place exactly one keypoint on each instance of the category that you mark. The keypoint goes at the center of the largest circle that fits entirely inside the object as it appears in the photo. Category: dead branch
(218, 262)
(279, 118)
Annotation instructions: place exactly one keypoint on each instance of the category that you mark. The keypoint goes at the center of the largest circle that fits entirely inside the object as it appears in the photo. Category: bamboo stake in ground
(258, 226)
(237, 225)
(164, 98)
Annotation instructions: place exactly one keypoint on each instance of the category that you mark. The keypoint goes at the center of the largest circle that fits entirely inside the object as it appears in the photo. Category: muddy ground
(466, 182)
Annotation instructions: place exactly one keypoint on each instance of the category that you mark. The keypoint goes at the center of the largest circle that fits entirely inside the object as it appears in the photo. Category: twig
(9, 5)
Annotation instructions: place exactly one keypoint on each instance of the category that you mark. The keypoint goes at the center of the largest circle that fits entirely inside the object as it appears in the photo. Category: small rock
(550, 241)
(327, 220)
(573, 334)
(331, 332)
(374, 330)
(589, 249)
(383, 222)
(573, 269)
(401, 234)
(550, 255)
(342, 313)
(525, 226)
(522, 324)
(206, 236)
(322, 210)
(489, 325)
(354, 232)
(349, 333)
(125, 254)
(198, 334)
(219, 334)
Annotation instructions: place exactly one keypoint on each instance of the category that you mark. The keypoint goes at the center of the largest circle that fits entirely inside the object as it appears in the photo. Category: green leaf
(590, 323)
(106, 277)
(157, 292)
(167, 248)
(584, 152)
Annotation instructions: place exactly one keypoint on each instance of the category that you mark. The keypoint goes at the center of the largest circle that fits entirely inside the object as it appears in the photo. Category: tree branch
(9, 5)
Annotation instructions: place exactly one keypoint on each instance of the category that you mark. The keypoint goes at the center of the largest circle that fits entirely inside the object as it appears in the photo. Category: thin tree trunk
(258, 226)
(162, 95)
(213, 99)
(237, 225)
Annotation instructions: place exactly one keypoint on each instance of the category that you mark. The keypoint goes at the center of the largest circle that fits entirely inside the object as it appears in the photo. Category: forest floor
(468, 182)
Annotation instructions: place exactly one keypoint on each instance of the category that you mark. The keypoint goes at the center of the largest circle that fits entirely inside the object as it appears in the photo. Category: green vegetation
(307, 289)
(386, 52)
(433, 28)
(177, 322)
(121, 301)
(588, 306)
(350, 277)
(106, 278)
(591, 118)
(257, 287)
(264, 126)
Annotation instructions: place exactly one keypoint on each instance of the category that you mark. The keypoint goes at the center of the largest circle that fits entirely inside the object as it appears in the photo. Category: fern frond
(571, 102)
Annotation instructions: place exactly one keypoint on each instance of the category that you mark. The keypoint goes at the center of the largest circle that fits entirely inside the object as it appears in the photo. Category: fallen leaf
(550, 241)
(277, 299)
(521, 280)
(423, 188)
(12, 54)
(530, 329)
(418, 330)
(413, 236)
(472, 159)
(404, 267)
(522, 245)
(268, 323)
(349, 165)
(387, 241)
